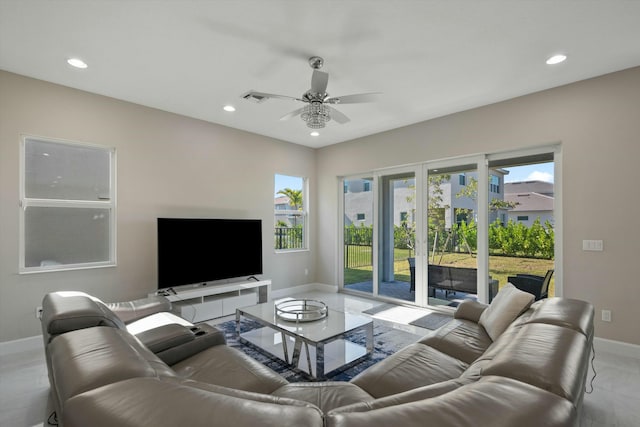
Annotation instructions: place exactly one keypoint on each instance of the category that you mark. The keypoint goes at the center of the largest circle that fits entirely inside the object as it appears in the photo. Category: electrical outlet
(38, 313)
(606, 315)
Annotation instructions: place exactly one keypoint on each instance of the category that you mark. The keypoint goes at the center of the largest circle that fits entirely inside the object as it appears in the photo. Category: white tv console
(199, 303)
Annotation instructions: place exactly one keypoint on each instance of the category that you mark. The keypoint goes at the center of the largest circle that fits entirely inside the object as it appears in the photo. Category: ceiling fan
(317, 112)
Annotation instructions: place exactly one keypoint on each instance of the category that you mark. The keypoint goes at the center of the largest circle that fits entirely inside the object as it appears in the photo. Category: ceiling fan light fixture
(316, 114)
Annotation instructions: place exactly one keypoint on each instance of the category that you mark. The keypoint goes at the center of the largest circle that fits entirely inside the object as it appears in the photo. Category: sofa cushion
(257, 397)
(547, 356)
(325, 395)
(565, 312)
(129, 311)
(462, 339)
(68, 311)
(89, 358)
(492, 401)
(414, 366)
(151, 402)
(470, 310)
(414, 395)
(228, 367)
(508, 304)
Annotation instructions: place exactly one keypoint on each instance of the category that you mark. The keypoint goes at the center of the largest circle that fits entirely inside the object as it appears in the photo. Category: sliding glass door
(397, 227)
(452, 232)
(379, 229)
(446, 231)
(522, 223)
(358, 234)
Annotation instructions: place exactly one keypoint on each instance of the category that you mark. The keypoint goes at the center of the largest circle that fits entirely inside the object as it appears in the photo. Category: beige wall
(596, 121)
(170, 165)
(167, 165)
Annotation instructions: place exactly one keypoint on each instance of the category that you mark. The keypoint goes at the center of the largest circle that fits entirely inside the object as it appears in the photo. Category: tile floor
(615, 401)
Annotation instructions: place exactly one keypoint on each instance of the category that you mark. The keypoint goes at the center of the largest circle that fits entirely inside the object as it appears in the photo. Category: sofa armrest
(470, 310)
(165, 337)
(205, 336)
(129, 311)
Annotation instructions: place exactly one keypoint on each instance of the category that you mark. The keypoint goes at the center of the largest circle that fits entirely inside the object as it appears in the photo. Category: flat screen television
(201, 250)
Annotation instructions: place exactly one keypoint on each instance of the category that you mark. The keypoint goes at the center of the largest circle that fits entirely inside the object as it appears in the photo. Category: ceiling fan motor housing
(316, 62)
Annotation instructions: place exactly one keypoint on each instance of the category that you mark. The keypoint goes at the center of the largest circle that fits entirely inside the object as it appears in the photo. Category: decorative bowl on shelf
(301, 310)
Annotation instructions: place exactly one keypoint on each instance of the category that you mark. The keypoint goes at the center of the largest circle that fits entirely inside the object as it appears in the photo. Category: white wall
(167, 165)
(597, 122)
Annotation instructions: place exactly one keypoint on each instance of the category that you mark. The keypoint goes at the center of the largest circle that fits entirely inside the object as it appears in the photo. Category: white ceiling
(428, 58)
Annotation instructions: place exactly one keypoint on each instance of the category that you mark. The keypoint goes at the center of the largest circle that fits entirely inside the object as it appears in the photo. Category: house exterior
(281, 203)
(358, 199)
(533, 200)
(457, 206)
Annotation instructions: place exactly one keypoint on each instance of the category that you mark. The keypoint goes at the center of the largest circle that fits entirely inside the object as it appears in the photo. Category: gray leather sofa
(513, 363)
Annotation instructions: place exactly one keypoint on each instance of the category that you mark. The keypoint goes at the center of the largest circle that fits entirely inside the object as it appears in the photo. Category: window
(290, 213)
(67, 206)
(360, 217)
(367, 186)
(523, 218)
(462, 179)
(494, 184)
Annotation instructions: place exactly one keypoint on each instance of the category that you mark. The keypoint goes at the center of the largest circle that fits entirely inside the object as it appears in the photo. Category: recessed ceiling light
(78, 63)
(315, 133)
(229, 108)
(556, 59)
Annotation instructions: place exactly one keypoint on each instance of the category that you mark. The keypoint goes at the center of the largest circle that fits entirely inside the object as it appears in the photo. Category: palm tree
(295, 201)
(295, 198)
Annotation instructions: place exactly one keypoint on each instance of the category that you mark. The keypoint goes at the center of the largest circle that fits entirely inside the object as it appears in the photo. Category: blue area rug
(387, 341)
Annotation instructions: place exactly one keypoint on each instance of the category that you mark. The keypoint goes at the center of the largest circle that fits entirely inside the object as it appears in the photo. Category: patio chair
(536, 285)
(412, 272)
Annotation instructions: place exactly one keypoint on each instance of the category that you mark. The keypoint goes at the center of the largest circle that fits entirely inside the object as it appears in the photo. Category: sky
(537, 172)
(285, 181)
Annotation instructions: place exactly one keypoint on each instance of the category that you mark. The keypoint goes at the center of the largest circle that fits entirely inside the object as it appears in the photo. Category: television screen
(200, 250)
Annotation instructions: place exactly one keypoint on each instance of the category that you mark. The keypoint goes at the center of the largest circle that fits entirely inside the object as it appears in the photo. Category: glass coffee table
(316, 348)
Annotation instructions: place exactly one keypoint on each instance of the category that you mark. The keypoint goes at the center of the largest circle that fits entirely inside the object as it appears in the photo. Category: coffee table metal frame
(316, 334)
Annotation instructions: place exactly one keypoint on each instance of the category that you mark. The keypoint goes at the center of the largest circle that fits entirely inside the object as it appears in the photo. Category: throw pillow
(508, 304)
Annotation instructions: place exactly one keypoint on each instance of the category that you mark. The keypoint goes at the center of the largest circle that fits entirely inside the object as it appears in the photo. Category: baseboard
(309, 287)
(20, 345)
(616, 347)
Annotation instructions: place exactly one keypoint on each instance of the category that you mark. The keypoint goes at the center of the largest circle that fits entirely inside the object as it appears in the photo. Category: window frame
(26, 202)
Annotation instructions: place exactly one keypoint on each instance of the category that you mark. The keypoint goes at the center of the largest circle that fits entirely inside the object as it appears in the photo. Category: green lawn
(500, 267)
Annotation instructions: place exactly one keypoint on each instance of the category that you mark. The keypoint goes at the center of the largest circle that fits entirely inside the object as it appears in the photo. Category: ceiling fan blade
(292, 114)
(353, 99)
(262, 96)
(338, 116)
(319, 81)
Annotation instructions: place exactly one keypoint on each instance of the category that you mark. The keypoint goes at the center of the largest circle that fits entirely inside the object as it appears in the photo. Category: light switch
(592, 245)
